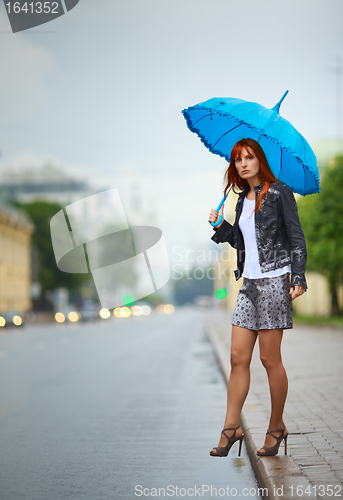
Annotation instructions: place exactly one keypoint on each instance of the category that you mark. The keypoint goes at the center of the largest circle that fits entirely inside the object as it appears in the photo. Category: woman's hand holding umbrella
(214, 216)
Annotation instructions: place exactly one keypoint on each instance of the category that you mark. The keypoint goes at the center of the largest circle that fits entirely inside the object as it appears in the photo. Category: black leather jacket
(279, 235)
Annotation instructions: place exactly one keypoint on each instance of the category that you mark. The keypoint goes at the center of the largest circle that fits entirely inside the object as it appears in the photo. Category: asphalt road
(114, 409)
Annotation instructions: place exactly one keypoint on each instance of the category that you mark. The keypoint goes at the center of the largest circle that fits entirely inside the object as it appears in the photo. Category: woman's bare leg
(270, 354)
(242, 346)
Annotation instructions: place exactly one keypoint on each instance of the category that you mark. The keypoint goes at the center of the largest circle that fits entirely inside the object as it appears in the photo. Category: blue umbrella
(221, 122)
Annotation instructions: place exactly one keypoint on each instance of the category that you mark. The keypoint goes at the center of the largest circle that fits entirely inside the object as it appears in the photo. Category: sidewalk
(313, 412)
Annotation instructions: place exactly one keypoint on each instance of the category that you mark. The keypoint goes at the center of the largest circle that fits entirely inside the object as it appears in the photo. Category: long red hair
(231, 176)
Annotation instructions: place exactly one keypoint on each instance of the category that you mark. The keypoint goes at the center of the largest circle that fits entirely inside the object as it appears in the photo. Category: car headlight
(104, 313)
(136, 311)
(168, 309)
(146, 310)
(73, 316)
(125, 312)
(59, 317)
(17, 320)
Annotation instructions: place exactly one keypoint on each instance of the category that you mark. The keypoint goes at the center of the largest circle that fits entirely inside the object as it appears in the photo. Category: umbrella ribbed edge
(257, 130)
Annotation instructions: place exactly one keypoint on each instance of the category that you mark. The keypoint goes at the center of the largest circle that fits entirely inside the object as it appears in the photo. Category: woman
(269, 238)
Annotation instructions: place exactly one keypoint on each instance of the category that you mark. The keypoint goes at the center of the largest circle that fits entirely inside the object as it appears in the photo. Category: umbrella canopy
(221, 122)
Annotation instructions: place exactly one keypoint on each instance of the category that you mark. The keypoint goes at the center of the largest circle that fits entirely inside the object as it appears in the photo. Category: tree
(49, 276)
(321, 217)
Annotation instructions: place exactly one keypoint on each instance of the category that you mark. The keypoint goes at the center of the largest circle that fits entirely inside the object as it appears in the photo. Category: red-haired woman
(268, 237)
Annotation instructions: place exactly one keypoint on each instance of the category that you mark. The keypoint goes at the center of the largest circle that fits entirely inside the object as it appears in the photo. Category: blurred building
(15, 261)
(48, 183)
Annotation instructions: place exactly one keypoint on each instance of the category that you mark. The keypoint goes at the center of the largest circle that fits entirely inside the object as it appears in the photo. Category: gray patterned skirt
(264, 304)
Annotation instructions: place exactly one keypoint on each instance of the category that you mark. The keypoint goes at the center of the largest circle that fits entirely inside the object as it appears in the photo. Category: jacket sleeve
(295, 235)
(225, 233)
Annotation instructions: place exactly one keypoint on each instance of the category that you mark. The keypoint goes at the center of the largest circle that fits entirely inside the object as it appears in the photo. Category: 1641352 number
(318, 490)
(32, 8)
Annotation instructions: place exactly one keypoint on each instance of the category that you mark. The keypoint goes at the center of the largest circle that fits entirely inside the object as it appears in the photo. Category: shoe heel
(240, 444)
(286, 444)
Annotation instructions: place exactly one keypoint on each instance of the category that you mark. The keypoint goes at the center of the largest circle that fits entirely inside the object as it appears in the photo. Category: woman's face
(247, 164)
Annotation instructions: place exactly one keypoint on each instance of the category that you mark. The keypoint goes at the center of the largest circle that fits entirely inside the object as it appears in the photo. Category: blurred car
(67, 315)
(89, 311)
(11, 318)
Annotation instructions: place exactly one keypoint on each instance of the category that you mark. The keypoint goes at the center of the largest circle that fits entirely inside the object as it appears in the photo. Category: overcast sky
(99, 91)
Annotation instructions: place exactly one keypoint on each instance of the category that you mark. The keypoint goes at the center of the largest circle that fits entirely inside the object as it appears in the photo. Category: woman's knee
(240, 359)
(270, 361)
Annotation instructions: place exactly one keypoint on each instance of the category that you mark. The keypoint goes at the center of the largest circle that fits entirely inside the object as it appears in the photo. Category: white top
(252, 269)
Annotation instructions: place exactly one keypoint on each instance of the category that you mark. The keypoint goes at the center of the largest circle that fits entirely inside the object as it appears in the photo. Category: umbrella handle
(215, 224)
(219, 221)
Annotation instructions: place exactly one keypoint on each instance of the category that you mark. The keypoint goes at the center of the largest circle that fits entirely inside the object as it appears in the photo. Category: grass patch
(318, 320)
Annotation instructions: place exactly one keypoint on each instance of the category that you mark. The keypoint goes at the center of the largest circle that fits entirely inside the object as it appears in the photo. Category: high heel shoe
(222, 451)
(273, 450)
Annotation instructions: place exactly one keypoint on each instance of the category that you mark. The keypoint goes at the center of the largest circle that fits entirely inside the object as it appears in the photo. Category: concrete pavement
(313, 412)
